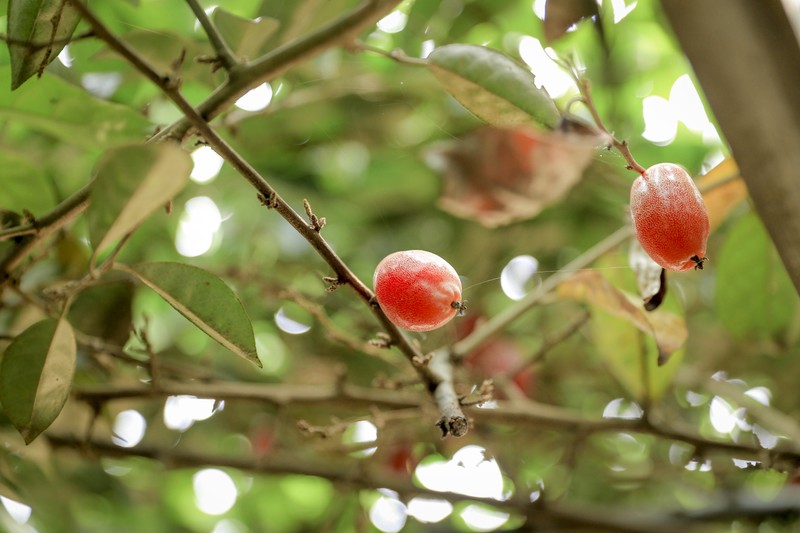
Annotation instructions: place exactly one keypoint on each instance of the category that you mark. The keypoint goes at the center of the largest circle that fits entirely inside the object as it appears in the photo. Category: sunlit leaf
(70, 114)
(37, 22)
(725, 190)
(492, 86)
(668, 329)
(205, 300)
(501, 175)
(559, 15)
(130, 184)
(36, 375)
(754, 296)
(246, 37)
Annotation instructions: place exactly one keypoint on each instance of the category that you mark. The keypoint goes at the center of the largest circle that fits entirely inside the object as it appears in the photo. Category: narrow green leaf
(492, 86)
(754, 296)
(246, 37)
(205, 300)
(37, 22)
(130, 184)
(36, 375)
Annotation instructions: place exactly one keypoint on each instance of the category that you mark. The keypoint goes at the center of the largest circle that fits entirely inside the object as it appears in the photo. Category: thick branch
(522, 413)
(750, 72)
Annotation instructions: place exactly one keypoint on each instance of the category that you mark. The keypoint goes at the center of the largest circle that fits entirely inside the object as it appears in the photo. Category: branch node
(333, 283)
(382, 340)
(270, 201)
(317, 223)
(421, 361)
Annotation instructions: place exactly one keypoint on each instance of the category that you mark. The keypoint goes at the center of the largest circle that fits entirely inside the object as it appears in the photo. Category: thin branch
(500, 321)
(622, 146)
(269, 196)
(42, 228)
(333, 332)
(225, 55)
(549, 343)
(520, 413)
(396, 55)
(272, 65)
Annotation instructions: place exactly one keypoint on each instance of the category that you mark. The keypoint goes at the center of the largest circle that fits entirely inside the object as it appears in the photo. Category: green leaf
(72, 115)
(754, 296)
(24, 184)
(36, 374)
(246, 37)
(493, 86)
(130, 184)
(37, 22)
(205, 300)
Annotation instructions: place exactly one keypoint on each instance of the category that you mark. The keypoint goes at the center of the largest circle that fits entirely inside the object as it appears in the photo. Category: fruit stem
(621, 146)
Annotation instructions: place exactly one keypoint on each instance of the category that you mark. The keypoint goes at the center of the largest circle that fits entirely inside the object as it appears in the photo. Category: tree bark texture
(747, 59)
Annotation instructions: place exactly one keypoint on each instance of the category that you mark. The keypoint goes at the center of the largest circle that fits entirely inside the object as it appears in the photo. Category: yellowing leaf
(668, 329)
(725, 190)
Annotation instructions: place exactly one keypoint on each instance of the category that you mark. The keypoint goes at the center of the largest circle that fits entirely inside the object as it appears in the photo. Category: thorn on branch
(317, 223)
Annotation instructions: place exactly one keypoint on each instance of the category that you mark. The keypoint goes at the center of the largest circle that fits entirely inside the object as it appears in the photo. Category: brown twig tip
(317, 223)
(457, 426)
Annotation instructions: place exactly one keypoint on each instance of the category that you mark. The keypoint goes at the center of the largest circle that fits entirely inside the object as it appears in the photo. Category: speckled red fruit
(417, 290)
(669, 217)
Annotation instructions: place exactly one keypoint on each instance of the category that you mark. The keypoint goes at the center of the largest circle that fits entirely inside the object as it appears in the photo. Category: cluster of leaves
(462, 154)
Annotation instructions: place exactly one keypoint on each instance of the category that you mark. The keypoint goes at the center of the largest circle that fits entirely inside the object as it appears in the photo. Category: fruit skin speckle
(670, 218)
(417, 290)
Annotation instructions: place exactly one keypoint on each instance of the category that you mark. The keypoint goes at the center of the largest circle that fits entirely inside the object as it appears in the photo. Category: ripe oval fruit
(417, 290)
(669, 217)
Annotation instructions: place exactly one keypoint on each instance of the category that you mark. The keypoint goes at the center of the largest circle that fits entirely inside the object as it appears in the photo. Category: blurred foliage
(349, 131)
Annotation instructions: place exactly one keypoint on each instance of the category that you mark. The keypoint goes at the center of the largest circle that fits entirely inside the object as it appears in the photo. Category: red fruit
(417, 290)
(669, 217)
